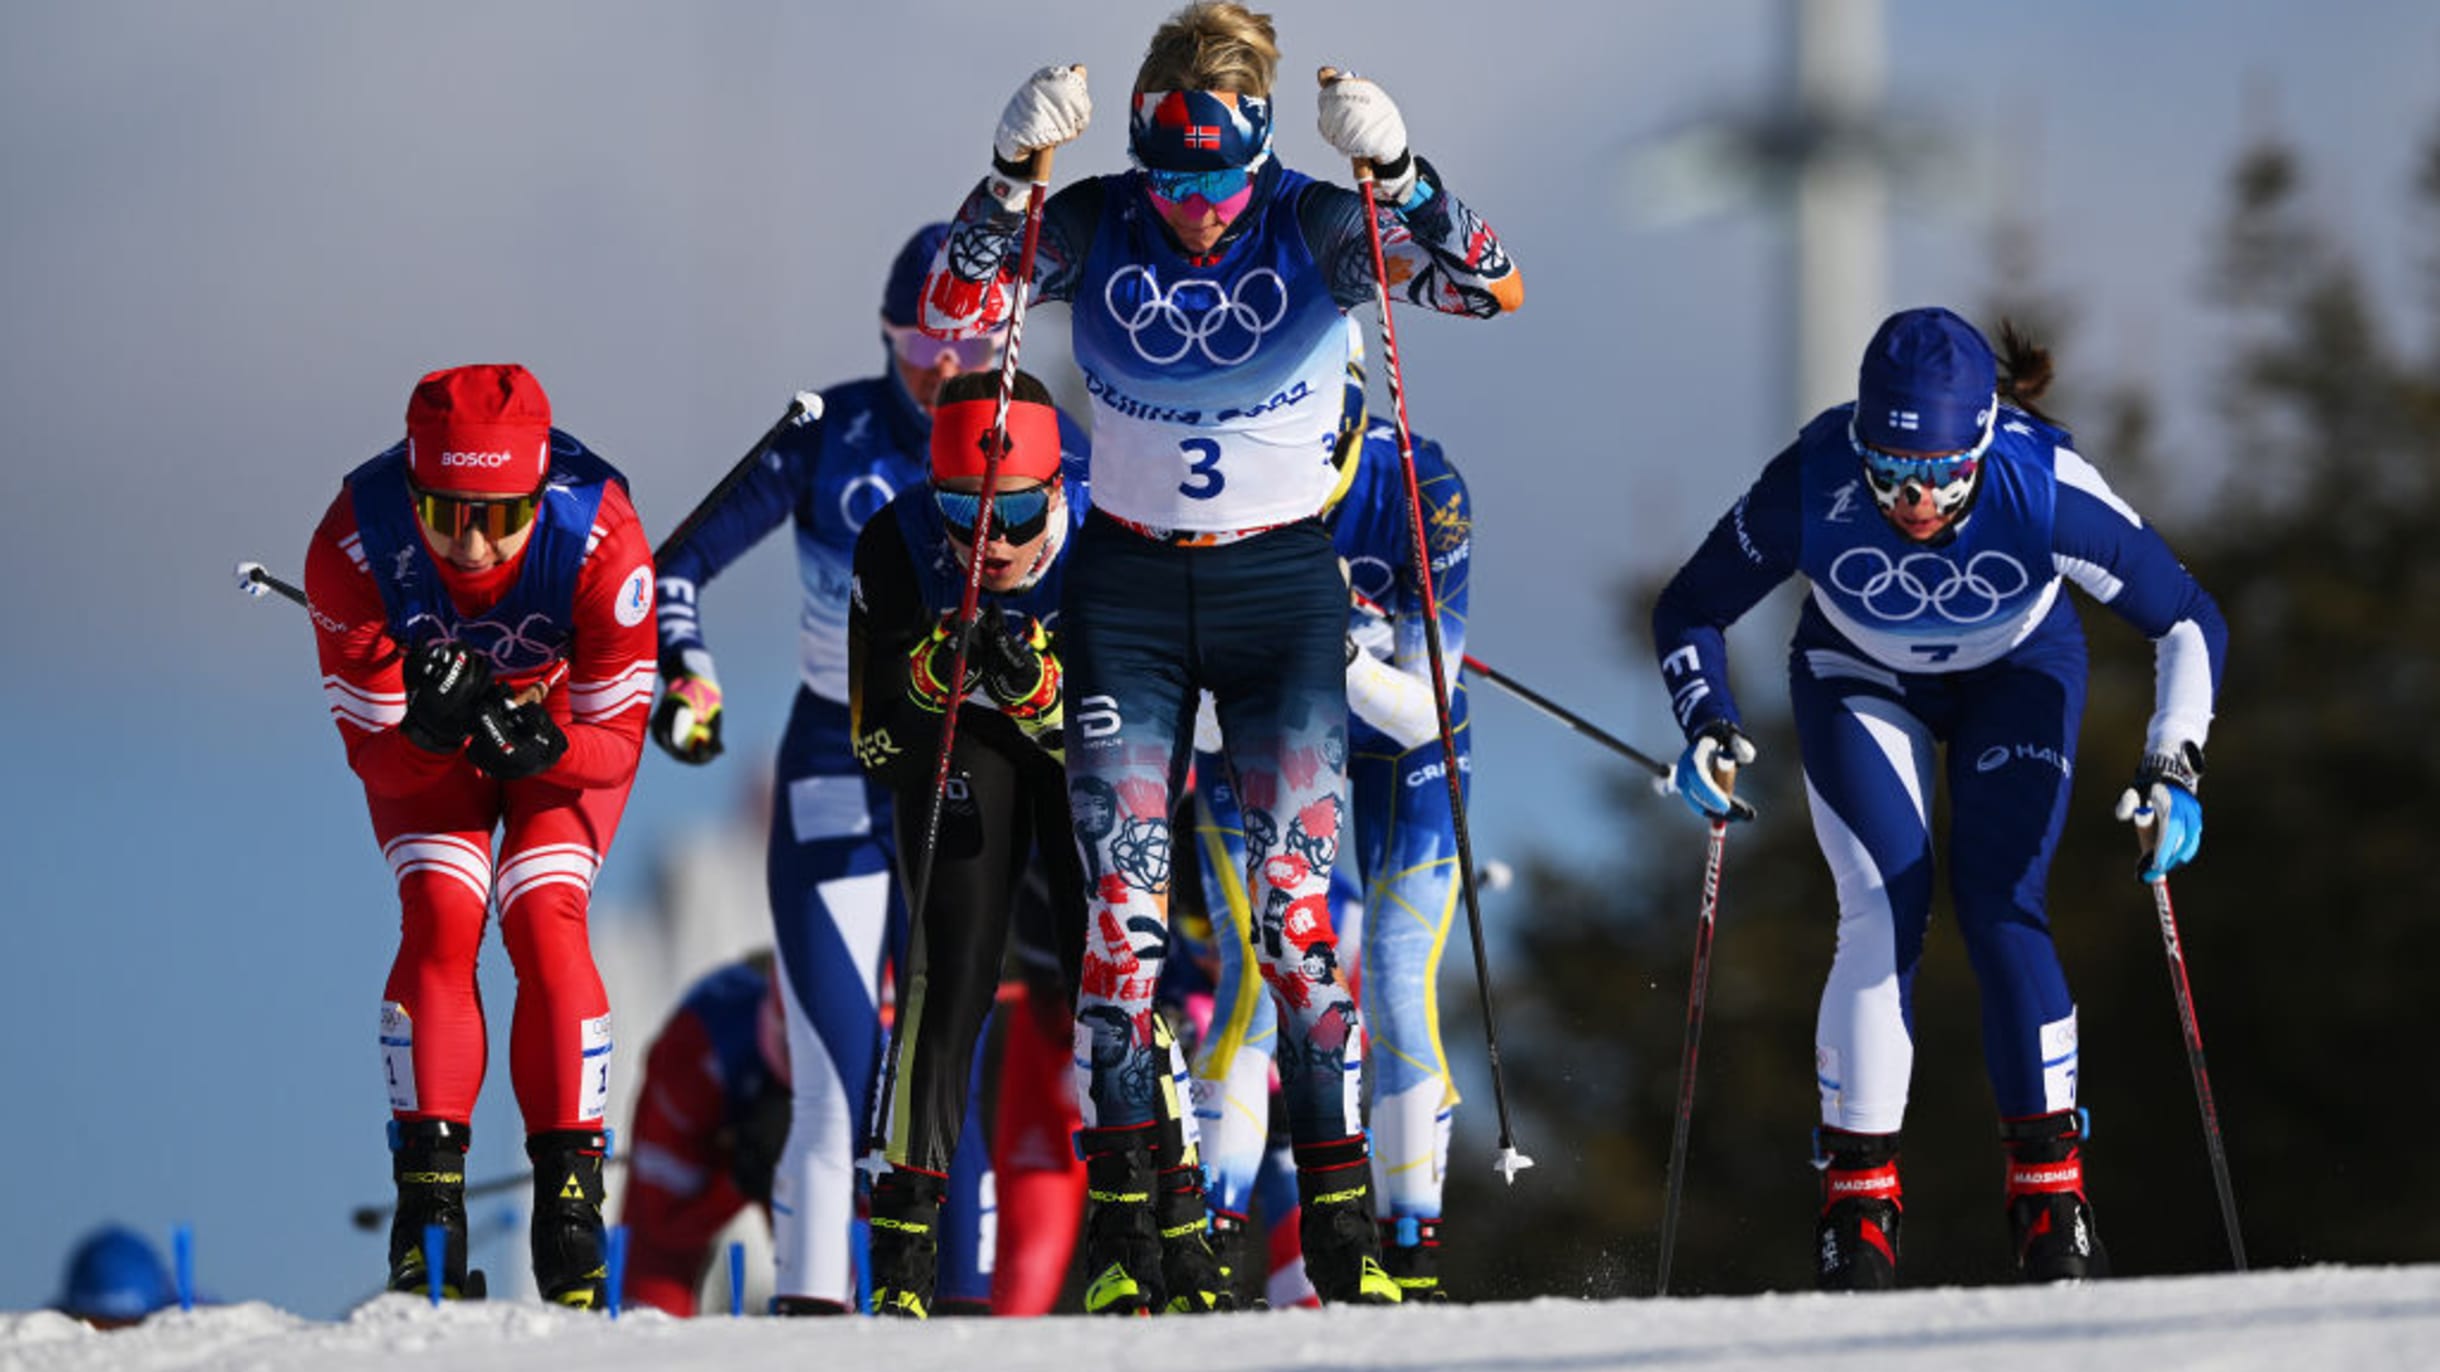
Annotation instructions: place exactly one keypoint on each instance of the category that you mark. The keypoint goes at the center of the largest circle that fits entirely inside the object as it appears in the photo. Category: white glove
(1360, 121)
(1051, 108)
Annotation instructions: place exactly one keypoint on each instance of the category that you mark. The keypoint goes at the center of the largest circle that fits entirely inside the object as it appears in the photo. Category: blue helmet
(115, 1275)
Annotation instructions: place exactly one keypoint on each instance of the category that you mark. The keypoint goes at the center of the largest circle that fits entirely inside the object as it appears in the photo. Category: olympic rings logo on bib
(1166, 323)
(531, 643)
(1918, 582)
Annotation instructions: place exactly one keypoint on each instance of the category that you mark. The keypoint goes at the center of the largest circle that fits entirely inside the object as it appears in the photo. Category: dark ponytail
(2025, 370)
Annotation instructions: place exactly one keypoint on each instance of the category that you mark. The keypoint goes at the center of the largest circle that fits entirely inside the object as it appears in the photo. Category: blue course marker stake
(737, 1279)
(617, 1264)
(436, 1258)
(182, 1250)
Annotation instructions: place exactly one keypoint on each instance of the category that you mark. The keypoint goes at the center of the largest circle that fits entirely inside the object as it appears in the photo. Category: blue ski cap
(904, 294)
(1929, 385)
(115, 1275)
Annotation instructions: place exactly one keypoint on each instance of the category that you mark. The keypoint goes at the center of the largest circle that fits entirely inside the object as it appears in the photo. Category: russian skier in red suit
(482, 599)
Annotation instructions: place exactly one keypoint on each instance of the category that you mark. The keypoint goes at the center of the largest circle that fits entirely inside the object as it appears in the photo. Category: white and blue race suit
(1965, 641)
(1396, 890)
(834, 905)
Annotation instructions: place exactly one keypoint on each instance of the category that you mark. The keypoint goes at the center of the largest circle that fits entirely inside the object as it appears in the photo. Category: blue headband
(1199, 131)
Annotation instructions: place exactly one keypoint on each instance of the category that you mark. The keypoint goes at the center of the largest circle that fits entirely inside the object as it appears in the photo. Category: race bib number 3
(1204, 479)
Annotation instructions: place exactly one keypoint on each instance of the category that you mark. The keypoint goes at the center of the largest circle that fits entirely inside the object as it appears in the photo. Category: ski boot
(1122, 1239)
(2047, 1211)
(906, 1241)
(1242, 1260)
(1191, 1273)
(1410, 1250)
(799, 1307)
(1335, 1224)
(428, 1164)
(567, 1231)
(1856, 1238)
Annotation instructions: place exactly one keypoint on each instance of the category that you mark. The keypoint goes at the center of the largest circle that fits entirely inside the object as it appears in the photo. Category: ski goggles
(923, 352)
(1948, 477)
(1016, 516)
(1217, 186)
(450, 517)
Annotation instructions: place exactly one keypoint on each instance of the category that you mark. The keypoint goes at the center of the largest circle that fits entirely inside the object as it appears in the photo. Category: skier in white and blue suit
(1934, 519)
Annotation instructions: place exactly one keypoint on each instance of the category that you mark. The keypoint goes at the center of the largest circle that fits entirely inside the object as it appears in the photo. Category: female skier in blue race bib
(1934, 520)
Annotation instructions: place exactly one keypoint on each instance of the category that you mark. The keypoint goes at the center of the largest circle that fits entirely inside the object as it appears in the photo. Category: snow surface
(2325, 1317)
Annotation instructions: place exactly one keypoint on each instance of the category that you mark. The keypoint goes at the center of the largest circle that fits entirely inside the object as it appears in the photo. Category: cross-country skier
(834, 908)
(1934, 519)
(1006, 788)
(710, 1119)
(1207, 289)
(482, 605)
(1402, 869)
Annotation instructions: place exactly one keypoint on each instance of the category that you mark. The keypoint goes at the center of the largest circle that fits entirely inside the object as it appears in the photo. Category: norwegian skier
(837, 917)
(1207, 288)
(481, 596)
(1934, 520)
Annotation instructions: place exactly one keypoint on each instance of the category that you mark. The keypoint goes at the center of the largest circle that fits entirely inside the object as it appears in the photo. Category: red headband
(961, 434)
(484, 429)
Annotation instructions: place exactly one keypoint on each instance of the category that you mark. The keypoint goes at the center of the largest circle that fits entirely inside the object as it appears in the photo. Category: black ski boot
(1855, 1244)
(428, 1164)
(1122, 1238)
(1335, 1224)
(2047, 1210)
(567, 1232)
(1410, 1250)
(1243, 1260)
(802, 1307)
(906, 1242)
(1191, 1273)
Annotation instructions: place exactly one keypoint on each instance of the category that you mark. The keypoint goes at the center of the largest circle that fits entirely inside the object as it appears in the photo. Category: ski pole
(257, 582)
(970, 598)
(2147, 832)
(1698, 993)
(1554, 710)
(1510, 1160)
(806, 408)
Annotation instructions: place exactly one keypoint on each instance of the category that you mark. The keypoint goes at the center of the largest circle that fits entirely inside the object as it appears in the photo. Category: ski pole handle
(1362, 167)
(256, 581)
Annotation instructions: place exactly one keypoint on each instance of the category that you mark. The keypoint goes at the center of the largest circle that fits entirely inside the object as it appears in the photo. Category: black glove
(445, 690)
(1021, 674)
(511, 742)
(687, 721)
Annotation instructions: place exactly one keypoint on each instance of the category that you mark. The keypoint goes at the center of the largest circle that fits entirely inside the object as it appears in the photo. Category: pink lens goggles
(923, 352)
(1197, 200)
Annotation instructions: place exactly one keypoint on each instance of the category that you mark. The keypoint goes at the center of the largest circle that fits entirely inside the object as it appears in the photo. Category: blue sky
(234, 234)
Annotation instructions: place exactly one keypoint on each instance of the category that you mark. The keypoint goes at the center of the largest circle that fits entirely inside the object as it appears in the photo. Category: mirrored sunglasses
(1175, 187)
(1888, 471)
(449, 517)
(923, 352)
(1016, 516)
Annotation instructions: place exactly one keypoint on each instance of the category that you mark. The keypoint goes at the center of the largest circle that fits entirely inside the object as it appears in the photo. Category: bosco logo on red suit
(480, 595)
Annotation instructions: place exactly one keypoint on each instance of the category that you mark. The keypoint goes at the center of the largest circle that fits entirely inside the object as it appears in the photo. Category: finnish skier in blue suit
(1934, 520)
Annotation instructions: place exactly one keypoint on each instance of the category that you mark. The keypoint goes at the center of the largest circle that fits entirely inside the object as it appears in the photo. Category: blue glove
(2163, 797)
(1719, 747)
